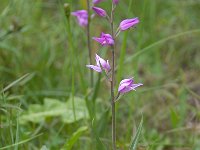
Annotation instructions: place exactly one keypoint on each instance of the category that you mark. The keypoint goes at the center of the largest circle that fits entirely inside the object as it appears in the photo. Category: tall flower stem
(72, 64)
(113, 83)
(88, 41)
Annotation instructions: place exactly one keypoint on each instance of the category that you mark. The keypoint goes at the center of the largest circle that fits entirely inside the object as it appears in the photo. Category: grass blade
(134, 142)
(15, 82)
(69, 144)
(160, 42)
(22, 142)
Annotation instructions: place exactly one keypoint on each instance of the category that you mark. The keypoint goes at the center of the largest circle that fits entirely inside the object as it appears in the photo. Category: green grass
(36, 63)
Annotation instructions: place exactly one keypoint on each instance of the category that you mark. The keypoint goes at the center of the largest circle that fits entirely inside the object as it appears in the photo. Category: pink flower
(100, 63)
(96, 1)
(115, 2)
(128, 23)
(127, 85)
(104, 39)
(82, 17)
(99, 11)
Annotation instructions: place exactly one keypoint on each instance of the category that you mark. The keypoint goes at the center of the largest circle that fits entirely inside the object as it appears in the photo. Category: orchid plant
(109, 40)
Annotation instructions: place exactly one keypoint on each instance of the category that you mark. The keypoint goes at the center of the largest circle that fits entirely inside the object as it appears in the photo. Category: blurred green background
(162, 52)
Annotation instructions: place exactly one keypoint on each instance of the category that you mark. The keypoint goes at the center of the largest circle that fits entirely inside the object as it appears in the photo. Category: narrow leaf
(69, 144)
(134, 142)
(15, 82)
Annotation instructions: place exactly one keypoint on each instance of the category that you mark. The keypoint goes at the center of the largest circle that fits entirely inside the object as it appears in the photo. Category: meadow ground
(162, 52)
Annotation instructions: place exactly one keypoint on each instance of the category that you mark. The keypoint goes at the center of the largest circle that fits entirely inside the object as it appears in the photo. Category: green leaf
(16, 82)
(174, 117)
(99, 129)
(69, 144)
(44, 148)
(55, 108)
(21, 142)
(134, 142)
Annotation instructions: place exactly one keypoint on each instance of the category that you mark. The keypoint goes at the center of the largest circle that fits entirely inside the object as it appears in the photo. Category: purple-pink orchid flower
(82, 17)
(128, 23)
(99, 11)
(104, 39)
(100, 64)
(127, 85)
(96, 1)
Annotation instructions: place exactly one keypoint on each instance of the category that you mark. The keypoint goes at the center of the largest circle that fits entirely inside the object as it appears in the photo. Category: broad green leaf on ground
(55, 108)
(44, 148)
(135, 140)
(72, 140)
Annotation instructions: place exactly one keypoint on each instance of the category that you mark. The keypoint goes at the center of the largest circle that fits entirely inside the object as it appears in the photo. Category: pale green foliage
(55, 108)
(44, 148)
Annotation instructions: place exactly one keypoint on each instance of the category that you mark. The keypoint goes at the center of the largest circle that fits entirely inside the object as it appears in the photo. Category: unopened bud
(67, 10)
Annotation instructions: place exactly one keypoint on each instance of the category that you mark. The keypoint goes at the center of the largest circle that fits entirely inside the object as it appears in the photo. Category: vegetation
(36, 71)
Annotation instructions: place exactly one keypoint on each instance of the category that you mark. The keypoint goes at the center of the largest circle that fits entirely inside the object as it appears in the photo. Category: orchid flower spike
(104, 39)
(127, 85)
(82, 17)
(100, 64)
(128, 23)
(99, 11)
(96, 1)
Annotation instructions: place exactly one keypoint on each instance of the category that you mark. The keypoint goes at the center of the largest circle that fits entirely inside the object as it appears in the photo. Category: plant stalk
(72, 64)
(88, 42)
(113, 83)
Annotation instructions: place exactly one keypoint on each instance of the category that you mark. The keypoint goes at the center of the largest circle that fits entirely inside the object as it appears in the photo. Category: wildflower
(100, 64)
(127, 85)
(128, 23)
(115, 2)
(104, 39)
(82, 17)
(96, 1)
(99, 11)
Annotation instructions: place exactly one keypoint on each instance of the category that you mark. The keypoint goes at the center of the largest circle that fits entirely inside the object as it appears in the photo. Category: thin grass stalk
(113, 83)
(72, 64)
(88, 42)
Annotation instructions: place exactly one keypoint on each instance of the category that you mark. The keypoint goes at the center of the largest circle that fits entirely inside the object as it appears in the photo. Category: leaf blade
(69, 144)
(135, 140)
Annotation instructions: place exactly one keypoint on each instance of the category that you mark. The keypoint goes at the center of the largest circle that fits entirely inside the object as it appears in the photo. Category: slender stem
(88, 42)
(113, 84)
(72, 64)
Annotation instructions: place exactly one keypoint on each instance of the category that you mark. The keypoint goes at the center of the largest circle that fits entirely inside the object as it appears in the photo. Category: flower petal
(124, 89)
(127, 82)
(104, 64)
(96, 68)
(99, 11)
(99, 40)
(97, 1)
(133, 86)
(128, 23)
(82, 17)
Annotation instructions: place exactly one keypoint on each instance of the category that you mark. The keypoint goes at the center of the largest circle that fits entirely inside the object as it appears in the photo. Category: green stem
(88, 42)
(113, 84)
(72, 64)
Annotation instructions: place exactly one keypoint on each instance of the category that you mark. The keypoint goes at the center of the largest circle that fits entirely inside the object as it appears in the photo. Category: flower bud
(99, 11)
(128, 23)
(115, 2)
(67, 10)
(96, 1)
